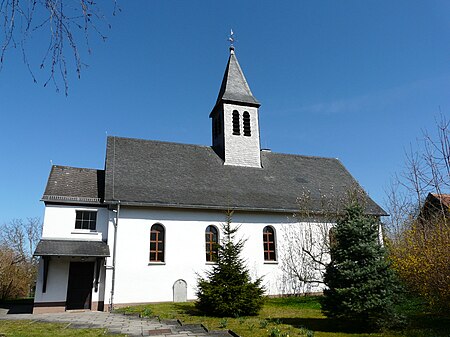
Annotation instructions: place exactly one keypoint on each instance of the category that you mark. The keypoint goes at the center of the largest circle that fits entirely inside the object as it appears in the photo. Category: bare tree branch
(427, 170)
(18, 240)
(66, 21)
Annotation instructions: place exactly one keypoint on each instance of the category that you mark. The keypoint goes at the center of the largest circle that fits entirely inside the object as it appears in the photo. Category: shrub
(361, 285)
(421, 256)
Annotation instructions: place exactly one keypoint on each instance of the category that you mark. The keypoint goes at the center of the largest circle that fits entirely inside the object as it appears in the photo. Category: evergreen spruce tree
(228, 289)
(361, 285)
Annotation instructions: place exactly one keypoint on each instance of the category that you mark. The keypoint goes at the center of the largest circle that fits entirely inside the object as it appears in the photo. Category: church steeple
(235, 119)
(234, 88)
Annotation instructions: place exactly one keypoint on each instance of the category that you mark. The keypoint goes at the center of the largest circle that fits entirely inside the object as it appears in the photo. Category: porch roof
(50, 247)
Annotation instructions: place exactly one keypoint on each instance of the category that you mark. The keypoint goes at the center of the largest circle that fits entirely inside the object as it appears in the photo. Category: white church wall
(138, 280)
(59, 222)
(58, 274)
(300, 241)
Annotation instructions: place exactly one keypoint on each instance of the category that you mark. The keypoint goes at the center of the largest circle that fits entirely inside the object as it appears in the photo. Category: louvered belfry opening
(236, 126)
(247, 130)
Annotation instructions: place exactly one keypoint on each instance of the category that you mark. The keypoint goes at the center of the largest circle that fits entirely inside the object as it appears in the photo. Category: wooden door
(79, 288)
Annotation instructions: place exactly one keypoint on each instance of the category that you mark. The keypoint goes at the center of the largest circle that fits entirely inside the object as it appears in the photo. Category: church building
(145, 226)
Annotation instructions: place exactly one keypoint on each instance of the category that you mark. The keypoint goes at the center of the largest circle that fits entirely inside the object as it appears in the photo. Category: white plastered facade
(184, 251)
(137, 280)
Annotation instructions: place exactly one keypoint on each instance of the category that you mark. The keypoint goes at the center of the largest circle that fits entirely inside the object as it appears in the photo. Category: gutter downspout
(113, 279)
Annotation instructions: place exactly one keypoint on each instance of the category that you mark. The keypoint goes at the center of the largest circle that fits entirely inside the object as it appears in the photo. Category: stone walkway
(117, 323)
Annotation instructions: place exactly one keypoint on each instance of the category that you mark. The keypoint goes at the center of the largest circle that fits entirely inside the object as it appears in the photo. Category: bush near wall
(421, 256)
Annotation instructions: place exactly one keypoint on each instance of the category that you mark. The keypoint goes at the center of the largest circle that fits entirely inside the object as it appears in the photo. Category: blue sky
(356, 80)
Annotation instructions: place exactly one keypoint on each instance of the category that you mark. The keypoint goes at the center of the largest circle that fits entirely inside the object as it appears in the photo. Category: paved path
(116, 323)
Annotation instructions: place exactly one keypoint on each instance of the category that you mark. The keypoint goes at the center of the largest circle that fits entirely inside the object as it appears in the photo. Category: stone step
(192, 327)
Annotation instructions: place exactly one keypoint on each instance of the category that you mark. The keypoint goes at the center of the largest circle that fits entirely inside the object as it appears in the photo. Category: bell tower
(235, 119)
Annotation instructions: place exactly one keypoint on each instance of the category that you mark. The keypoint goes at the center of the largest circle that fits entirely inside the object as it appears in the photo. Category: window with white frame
(86, 220)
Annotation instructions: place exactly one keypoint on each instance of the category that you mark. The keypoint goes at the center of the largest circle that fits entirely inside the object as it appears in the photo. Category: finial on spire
(231, 39)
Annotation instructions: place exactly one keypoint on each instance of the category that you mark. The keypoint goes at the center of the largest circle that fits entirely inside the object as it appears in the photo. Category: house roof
(443, 198)
(154, 173)
(77, 185)
(235, 88)
(435, 207)
(47, 247)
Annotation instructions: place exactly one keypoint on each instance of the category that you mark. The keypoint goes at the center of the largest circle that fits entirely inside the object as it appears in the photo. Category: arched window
(211, 242)
(236, 126)
(269, 244)
(247, 131)
(157, 236)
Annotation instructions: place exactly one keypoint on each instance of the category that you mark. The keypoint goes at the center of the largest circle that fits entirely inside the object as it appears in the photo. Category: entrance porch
(71, 276)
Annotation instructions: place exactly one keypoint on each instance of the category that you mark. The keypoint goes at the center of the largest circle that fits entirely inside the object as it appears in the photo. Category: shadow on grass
(189, 309)
(419, 325)
(429, 321)
(323, 324)
(420, 316)
(304, 302)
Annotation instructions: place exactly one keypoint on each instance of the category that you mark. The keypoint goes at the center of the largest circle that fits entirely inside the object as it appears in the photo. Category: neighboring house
(435, 208)
(142, 229)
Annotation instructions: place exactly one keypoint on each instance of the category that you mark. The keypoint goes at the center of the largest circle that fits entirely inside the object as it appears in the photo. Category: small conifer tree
(361, 285)
(228, 289)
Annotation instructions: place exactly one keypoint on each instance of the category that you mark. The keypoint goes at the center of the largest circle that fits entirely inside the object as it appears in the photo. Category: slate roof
(77, 185)
(154, 173)
(48, 247)
(235, 88)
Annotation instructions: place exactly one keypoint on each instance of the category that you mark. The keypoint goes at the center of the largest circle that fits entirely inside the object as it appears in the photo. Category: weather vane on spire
(231, 39)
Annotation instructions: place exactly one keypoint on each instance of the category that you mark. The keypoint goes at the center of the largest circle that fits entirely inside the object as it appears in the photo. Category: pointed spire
(234, 86)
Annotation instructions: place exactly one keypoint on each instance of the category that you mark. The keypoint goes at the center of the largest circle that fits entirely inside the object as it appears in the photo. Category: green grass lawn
(297, 316)
(35, 329)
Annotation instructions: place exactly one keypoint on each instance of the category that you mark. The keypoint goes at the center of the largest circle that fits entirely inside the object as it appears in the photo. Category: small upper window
(86, 220)
(247, 131)
(157, 243)
(269, 244)
(236, 126)
(212, 242)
